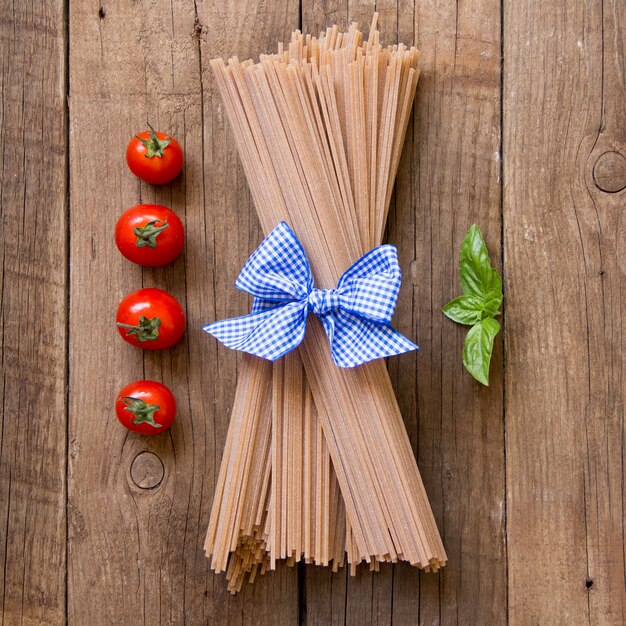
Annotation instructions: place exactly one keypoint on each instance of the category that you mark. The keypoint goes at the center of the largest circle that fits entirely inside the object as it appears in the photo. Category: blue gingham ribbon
(356, 315)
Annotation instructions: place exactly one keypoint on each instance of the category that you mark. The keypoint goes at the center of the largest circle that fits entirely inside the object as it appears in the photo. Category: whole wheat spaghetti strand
(250, 404)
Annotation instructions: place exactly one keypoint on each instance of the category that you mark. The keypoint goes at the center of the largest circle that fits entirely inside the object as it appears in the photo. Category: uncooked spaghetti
(317, 463)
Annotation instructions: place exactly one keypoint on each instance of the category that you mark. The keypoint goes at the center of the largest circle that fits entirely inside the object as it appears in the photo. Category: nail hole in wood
(102, 13)
(589, 583)
(147, 470)
(609, 172)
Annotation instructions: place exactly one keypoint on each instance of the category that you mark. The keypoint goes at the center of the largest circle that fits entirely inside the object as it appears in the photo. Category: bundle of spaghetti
(246, 480)
(242, 488)
(319, 129)
(250, 557)
(308, 516)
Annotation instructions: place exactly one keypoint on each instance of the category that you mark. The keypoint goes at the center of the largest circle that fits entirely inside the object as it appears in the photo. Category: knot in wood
(609, 172)
(147, 470)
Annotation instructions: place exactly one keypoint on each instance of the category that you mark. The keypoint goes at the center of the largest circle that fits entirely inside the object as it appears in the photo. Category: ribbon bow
(356, 315)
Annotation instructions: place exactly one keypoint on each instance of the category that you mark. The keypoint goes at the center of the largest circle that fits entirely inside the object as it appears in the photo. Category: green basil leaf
(496, 283)
(465, 309)
(477, 275)
(492, 303)
(478, 348)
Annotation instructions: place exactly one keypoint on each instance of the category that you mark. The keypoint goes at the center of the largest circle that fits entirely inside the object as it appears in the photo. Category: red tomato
(151, 319)
(154, 157)
(150, 235)
(146, 407)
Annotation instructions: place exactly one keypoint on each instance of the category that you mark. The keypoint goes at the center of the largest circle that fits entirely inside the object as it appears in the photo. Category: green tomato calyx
(143, 412)
(154, 145)
(146, 330)
(146, 235)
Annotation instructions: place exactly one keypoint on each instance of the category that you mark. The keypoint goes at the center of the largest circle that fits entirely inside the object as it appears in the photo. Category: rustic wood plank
(370, 595)
(337, 598)
(143, 547)
(449, 177)
(564, 132)
(244, 30)
(454, 179)
(33, 317)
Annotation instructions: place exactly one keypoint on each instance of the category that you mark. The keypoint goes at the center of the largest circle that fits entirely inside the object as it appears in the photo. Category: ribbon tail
(354, 340)
(269, 333)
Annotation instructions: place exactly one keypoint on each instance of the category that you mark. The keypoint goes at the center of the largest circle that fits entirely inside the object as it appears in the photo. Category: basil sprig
(479, 304)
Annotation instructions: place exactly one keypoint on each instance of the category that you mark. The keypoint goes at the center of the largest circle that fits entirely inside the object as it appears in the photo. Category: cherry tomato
(150, 235)
(151, 319)
(154, 157)
(146, 407)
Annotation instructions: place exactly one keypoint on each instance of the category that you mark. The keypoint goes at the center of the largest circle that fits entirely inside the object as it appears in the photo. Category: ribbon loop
(356, 315)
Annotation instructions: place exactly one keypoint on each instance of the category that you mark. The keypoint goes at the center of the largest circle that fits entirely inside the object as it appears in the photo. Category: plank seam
(66, 116)
(504, 328)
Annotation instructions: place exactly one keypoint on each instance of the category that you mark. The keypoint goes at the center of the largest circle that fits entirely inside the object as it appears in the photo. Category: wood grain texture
(564, 107)
(544, 546)
(457, 182)
(33, 314)
(143, 547)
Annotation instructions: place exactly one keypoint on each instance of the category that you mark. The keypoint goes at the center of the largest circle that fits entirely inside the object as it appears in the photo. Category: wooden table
(519, 126)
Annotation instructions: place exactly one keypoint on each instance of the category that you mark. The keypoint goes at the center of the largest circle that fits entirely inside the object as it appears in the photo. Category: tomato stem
(155, 146)
(143, 412)
(146, 330)
(146, 235)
